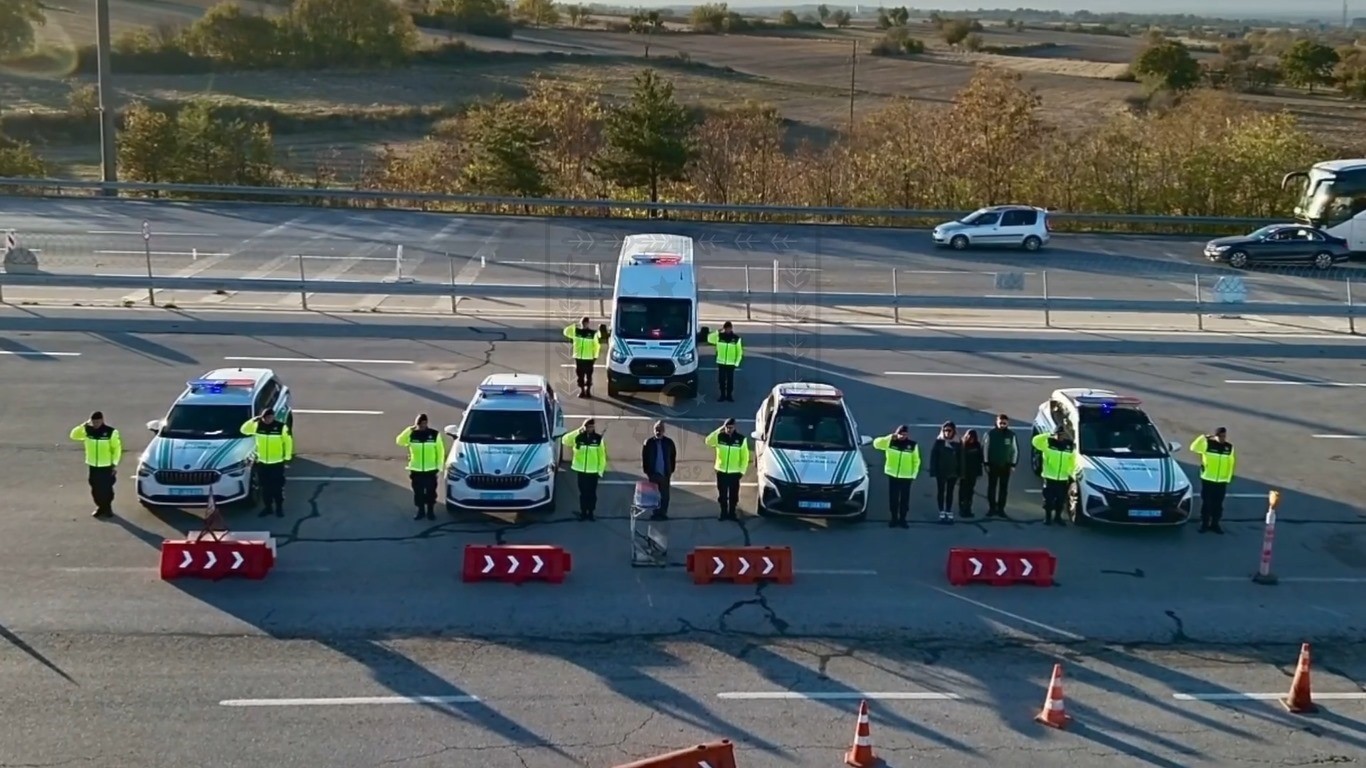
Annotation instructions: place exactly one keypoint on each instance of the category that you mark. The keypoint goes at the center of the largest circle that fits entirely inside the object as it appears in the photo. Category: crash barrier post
(713, 754)
(216, 553)
(515, 564)
(1264, 574)
(741, 565)
(1001, 567)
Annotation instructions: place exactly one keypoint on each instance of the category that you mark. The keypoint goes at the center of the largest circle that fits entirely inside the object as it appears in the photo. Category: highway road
(617, 662)
(239, 240)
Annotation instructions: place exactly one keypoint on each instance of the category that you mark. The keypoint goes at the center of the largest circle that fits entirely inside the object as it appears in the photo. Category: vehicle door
(763, 419)
(268, 397)
(1299, 245)
(1279, 245)
(985, 229)
(554, 415)
(1015, 226)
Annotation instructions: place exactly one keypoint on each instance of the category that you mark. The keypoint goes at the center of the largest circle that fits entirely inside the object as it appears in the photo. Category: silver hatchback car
(1022, 226)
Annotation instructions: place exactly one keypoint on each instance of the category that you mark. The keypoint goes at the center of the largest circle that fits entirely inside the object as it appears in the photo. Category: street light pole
(108, 147)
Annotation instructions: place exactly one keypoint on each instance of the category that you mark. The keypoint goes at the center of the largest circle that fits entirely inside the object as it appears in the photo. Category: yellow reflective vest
(1059, 457)
(586, 343)
(590, 452)
(1216, 459)
(903, 457)
(103, 445)
(274, 444)
(426, 449)
(732, 452)
(730, 350)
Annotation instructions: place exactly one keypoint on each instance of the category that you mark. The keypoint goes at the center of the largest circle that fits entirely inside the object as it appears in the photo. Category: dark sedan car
(1279, 244)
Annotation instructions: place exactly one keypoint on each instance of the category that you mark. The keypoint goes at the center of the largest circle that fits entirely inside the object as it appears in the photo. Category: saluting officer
(1216, 472)
(1059, 465)
(274, 450)
(590, 463)
(103, 449)
(587, 347)
(729, 351)
(732, 461)
(902, 468)
(426, 457)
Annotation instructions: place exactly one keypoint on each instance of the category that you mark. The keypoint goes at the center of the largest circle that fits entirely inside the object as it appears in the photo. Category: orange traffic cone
(1301, 699)
(861, 754)
(1054, 712)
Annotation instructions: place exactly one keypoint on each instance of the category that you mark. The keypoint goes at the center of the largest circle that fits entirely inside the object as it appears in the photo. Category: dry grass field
(806, 75)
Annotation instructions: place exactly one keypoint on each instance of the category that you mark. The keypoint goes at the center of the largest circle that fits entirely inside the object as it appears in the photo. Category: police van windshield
(206, 422)
(495, 427)
(1122, 433)
(811, 425)
(646, 319)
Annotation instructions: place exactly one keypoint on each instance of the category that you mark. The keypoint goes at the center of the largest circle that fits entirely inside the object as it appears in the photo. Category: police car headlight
(617, 356)
(1091, 483)
(772, 482)
(236, 469)
(456, 475)
(688, 358)
(541, 474)
(145, 469)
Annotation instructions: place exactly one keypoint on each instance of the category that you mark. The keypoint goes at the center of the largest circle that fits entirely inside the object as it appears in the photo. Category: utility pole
(853, 75)
(108, 147)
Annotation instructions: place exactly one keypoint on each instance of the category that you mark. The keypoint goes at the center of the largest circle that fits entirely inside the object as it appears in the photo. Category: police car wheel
(612, 390)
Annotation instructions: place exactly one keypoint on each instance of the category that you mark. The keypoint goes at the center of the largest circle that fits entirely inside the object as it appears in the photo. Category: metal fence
(357, 198)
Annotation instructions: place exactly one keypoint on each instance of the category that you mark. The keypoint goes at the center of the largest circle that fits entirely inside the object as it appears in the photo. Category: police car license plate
(813, 504)
(501, 496)
(652, 382)
(187, 491)
(1145, 513)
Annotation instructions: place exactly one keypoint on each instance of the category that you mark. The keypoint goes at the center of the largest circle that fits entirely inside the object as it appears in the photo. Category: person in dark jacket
(1003, 453)
(974, 459)
(946, 466)
(658, 458)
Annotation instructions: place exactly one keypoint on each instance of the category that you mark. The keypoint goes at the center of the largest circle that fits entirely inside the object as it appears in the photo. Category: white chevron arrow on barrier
(488, 564)
(237, 560)
(187, 560)
(212, 559)
(539, 563)
(768, 566)
(1028, 566)
(513, 562)
(720, 566)
(976, 566)
(744, 566)
(703, 764)
(1001, 567)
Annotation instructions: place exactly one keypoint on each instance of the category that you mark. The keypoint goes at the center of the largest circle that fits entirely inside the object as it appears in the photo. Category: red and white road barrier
(1264, 574)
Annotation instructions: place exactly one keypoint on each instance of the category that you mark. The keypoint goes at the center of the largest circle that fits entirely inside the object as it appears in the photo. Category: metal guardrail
(42, 188)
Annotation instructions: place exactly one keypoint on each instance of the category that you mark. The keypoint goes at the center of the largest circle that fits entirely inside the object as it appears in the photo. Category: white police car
(806, 446)
(507, 452)
(1125, 470)
(199, 448)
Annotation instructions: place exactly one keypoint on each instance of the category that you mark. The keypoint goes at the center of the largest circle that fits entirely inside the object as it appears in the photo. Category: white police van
(507, 449)
(656, 326)
(198, 446)
(806, 446)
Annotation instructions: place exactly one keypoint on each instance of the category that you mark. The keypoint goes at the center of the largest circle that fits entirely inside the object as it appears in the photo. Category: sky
(1326, 9)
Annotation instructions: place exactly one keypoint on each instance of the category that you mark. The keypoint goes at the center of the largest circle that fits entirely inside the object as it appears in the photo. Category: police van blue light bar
(1111, 400)
(813, 392)
(216, 386)
(658, 259)
(509, 389)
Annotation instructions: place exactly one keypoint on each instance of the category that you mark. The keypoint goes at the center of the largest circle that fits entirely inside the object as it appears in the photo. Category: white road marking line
(837, 696)
(1340, 437)
(1295, 383)
(159, 253)
(265, 270)
(1353, 696)
(469, 273)
(307, 258)
(1038, 296)
(154, 234)
(27, 353)
(340, 266)
(320, 479)
(339, 360)
(1297, 579)
(1009, 615)
(349, 702)
(718, 419)
(339, 413)
(833, 572)
(1261, 496)
(971, 375)
(679, 483)
(388, 245)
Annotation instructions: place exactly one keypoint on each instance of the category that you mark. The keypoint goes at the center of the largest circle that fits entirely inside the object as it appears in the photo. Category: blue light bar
(1110, 400)
(509, 389)
(216, 386)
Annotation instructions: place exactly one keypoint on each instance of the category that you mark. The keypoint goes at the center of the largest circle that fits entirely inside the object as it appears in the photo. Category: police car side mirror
(1174, 447)
(865, 440)
(756, 435)
(451, 430)
(154, 425)
(559, 432)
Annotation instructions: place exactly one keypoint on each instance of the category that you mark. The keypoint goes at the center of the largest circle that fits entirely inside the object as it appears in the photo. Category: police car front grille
(652, 368)
(1126, 499)
(187, 477)
(498, 482)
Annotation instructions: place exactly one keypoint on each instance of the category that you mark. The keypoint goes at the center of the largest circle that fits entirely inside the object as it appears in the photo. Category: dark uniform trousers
(588, 492)
(583, 372)
(1212, 501)
(998, 488)
(728, 492)
(424, 488)
(102, 481)
(272, 480)
(1055, 496)
(899, 497)
(725, 379)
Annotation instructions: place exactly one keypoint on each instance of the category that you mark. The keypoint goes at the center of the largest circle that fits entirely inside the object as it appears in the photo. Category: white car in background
(199, 447)
(806, 446)
(507, 449)
(1014, 226)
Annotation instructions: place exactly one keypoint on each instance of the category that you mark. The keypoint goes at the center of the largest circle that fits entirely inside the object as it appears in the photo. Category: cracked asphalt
(102, 662)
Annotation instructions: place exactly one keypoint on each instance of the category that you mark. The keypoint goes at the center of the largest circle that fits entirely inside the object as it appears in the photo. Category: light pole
(108, 148)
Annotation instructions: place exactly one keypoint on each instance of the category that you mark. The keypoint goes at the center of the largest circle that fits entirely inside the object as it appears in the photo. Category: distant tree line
(1168, 64)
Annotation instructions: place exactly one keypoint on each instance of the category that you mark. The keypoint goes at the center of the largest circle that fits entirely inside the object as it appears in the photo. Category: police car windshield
(811, 425)
(497, 427)
(1123, 433)
(206, 422)
(645, 319)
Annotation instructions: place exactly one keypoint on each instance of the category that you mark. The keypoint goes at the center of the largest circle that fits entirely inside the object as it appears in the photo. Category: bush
(483, 18)
(194, 146)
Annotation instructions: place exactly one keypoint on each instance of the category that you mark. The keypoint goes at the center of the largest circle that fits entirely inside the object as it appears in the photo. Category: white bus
(1333, 198)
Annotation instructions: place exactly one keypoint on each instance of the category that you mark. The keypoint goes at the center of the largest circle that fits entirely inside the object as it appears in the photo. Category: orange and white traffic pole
(1264, 574)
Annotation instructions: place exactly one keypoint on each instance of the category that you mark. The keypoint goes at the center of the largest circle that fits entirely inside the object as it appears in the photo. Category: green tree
(647, 140)
(841, 18)
(956, 31)
(899, 16)
(18, 160)
(789, 19)
(18, 20)
(196, 146)
(235, 37)
(1309, 63)
(538, 13)
(353, 32)
(823, 12)
(1167, 64)
(488, 18)
(503, 147)
(147, 145)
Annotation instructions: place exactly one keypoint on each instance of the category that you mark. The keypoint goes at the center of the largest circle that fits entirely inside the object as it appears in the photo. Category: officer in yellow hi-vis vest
(729, 351)
(587, 347)
(902, 468)
(1059, 465)
(590, 463)
(426, 457)
(732, 461)
(1217, 460)
(103, 449)
(274, 451)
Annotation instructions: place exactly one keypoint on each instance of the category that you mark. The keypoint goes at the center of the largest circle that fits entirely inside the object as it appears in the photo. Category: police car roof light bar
(1108, 400)
(218, 385)
(817, 392)
(509, 389)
